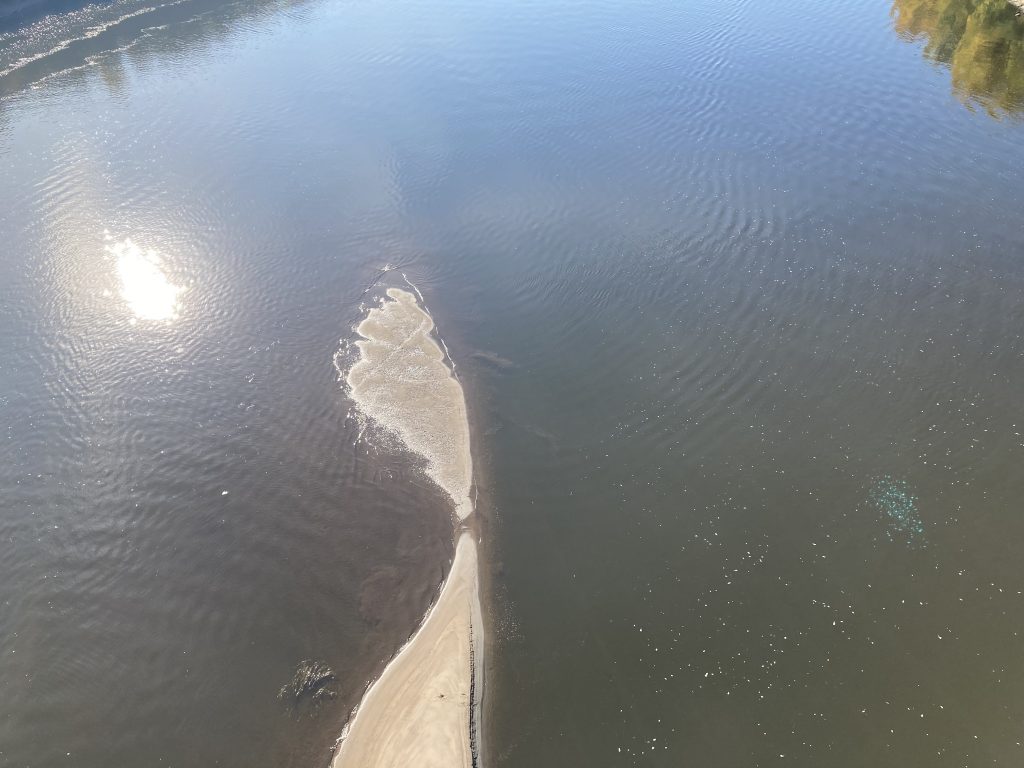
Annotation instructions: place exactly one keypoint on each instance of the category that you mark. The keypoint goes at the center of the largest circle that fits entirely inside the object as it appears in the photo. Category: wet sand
(423, 710)
(402, 382)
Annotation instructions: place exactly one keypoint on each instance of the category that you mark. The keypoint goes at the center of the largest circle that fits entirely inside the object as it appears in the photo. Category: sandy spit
(421, 710)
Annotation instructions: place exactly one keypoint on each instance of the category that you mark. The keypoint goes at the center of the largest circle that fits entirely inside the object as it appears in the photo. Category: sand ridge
(423, 711)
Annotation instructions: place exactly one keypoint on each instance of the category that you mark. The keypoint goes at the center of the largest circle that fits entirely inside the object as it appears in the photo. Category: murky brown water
(737, 298)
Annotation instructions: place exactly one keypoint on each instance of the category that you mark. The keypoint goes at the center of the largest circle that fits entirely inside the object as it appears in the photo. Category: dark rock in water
(312, 683)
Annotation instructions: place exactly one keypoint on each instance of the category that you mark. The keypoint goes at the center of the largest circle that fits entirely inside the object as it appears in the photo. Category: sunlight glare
(145, 286)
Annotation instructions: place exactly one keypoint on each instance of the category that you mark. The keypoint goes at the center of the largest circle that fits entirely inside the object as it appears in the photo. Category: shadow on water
(16, 14)
(982, 43)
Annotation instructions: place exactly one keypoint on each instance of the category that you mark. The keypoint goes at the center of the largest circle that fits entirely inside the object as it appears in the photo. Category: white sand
(421, 712)
(417, 715)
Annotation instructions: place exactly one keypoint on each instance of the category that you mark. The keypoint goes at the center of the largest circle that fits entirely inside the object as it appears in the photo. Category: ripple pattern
(708, 273)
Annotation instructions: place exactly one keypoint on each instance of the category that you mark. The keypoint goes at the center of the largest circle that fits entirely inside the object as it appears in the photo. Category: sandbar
(402, 381)
(420, 712)
(423, 711)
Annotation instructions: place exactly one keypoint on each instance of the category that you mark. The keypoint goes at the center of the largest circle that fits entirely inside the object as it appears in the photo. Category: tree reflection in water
(982, 42)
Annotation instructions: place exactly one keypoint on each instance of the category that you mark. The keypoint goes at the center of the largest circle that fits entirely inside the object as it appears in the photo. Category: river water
(736, 295)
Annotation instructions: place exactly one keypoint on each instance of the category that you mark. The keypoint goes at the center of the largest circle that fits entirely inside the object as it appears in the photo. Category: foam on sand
(423, 710)
(401, 381)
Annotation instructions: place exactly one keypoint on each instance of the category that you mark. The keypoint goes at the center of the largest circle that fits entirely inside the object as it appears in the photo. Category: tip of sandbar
(402, 381)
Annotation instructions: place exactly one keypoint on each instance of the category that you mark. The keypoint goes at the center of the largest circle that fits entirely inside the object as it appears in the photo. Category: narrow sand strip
(422, 712)
(417, 714)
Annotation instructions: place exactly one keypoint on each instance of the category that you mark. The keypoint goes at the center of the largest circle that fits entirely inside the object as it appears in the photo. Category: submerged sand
(422, 711)
(402, 382)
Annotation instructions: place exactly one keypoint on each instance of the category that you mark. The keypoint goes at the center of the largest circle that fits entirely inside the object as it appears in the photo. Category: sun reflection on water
(145, 286)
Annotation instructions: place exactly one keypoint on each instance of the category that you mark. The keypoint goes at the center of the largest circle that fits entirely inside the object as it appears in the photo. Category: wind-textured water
(736, 296)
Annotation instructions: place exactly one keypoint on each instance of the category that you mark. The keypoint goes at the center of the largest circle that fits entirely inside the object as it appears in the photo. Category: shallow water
(736, 296)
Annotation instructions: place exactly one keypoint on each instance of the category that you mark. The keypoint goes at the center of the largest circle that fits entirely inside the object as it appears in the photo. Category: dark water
(737, 295)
